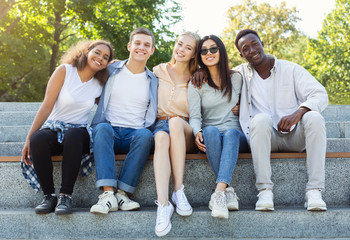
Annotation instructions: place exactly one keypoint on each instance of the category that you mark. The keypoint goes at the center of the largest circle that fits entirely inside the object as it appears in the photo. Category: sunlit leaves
(328, 56)
(276, 26)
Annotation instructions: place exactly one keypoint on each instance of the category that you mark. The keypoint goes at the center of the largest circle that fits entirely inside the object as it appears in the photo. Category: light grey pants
(309, 134)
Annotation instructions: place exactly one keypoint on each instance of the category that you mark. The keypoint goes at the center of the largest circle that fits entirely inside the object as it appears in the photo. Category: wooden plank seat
(195, 156)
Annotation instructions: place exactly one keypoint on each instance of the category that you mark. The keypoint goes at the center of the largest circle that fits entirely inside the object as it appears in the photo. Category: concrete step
(289, 176)
(13, 114)
(335, 129)
(20, 118)
(332, 112)
(14, 133)
(284, 223)
(333, 145)
(19, 106)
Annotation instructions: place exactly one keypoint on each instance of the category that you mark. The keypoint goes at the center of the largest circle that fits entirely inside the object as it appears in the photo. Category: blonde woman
(173, 134)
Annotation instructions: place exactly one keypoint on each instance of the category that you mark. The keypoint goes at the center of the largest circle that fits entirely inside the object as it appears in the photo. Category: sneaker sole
(63, 212)
(233, 207)
(220, 215)
(315, 208)
(184, 213)
(44, 211)
(164, 232)
(102, 212)
(266, 209)
(131, 208)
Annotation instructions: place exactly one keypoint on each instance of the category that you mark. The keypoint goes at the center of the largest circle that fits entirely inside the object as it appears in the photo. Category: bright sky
(209, 16)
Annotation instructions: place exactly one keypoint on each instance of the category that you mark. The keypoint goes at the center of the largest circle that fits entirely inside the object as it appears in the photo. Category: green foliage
(35, 33)
(22, 54)
(114, 20)
(274, 24)
(328, 56)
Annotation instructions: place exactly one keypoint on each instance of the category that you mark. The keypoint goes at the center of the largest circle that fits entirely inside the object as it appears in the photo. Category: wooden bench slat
(197, 156)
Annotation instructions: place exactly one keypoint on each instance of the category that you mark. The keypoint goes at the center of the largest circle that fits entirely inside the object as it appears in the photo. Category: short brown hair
(142, 30)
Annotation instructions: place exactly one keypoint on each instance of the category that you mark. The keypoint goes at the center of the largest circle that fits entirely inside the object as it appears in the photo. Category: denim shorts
(163, 125)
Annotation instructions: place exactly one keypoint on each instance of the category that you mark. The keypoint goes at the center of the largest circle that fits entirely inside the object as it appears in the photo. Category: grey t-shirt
(208, 107)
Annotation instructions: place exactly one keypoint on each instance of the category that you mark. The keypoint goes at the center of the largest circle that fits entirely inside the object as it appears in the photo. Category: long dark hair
(224, 69)
(77, 56)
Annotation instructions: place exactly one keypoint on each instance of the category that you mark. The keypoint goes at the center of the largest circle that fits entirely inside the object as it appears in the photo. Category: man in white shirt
(280, 111)
(126, 111)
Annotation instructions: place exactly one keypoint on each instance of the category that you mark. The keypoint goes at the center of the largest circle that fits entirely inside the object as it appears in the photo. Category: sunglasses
(204, 51)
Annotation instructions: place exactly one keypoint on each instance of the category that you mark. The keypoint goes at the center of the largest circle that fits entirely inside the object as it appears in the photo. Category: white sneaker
(106, 202)
(183, 207)
(231, 199)
(265, 201)
(314, 202)
(163, 223)
(218, 205)
(124, 201)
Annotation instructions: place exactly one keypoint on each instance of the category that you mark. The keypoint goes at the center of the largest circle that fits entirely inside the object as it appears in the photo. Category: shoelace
(124, 197)
(46, 198)
(220, 200)
(262, 192)
(101, 197)
(161, 213)
(181, 197)
(64, 200)
(232, 195)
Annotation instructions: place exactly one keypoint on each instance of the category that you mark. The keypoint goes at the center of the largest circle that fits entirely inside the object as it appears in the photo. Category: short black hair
(242, 33)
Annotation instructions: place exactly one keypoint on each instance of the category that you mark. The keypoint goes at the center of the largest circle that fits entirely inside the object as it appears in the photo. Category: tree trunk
(56, 39)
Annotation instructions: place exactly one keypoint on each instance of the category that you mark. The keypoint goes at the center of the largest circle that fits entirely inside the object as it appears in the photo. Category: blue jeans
(108, 141)
(222, 151)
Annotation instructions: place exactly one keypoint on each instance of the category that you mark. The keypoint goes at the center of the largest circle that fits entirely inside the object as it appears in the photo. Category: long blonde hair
(193, 64)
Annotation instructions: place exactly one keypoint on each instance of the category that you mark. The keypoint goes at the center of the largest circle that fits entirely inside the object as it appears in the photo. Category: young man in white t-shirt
(126, 111)
(280, 110)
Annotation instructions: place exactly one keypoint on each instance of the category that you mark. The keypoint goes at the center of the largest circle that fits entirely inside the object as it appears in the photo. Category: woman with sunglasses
(173, 134)
(60, 125)
(216, 129)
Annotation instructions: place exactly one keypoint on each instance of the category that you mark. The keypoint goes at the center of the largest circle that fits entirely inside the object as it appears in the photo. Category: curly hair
(77, 57)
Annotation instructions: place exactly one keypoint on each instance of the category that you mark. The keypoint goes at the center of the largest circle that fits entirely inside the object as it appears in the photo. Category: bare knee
(176, 126)
(161, 140)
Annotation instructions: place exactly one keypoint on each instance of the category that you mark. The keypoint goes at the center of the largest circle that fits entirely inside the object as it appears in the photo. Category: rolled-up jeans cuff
(223, 181)
(264, 186)
(106, 182)
(125, 187)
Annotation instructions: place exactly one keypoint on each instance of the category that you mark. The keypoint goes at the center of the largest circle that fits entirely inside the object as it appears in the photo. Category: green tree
(114, 20)
(35, 33)
(328, 56)
(22, 53)
(276, 26)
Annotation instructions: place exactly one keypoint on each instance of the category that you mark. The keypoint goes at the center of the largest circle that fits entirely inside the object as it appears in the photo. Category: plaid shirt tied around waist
(61, 128)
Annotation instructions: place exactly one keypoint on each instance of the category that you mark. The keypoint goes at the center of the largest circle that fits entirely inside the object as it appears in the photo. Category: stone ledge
(282, 223)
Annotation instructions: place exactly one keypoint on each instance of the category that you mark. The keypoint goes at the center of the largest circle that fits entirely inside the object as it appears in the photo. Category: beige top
(172, 98)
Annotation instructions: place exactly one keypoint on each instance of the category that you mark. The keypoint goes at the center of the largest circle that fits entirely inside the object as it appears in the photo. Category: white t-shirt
(129, 100)
(76, 98)
(260, 94)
